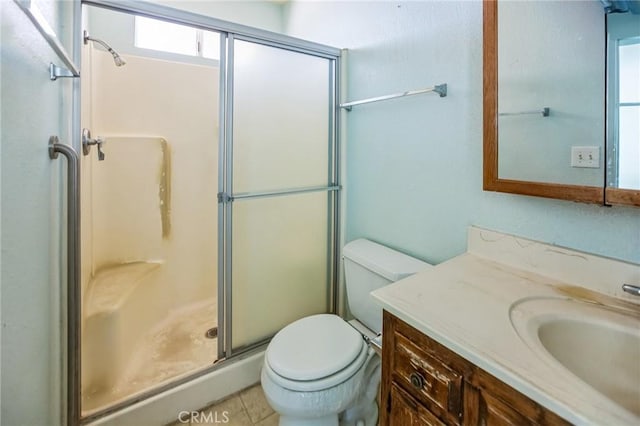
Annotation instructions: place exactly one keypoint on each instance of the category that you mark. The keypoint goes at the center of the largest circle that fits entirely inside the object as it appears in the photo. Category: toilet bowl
(320, 370)
(314, 385)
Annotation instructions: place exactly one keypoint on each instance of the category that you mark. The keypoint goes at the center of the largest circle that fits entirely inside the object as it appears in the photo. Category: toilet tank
(369, 266)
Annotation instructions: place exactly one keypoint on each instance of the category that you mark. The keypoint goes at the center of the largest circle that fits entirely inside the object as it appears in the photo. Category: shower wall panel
(149, 218)
(130, 180)
(179, 103)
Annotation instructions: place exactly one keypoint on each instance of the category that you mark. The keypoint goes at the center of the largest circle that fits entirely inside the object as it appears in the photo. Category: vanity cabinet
(424, 383)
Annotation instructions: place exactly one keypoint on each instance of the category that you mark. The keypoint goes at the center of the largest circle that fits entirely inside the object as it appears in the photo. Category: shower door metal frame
(227, 31)
(226, 196)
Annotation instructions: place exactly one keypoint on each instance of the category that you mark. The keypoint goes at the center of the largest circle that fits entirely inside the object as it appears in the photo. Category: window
(175, 38)
(628, 110)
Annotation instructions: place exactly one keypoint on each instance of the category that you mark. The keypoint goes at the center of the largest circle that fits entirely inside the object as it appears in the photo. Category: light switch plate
(585, 156)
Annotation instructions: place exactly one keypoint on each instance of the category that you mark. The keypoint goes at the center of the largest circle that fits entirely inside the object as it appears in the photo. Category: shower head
(116, 58)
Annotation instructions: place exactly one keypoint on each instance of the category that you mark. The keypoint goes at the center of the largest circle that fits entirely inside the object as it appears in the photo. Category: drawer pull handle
(417, 380)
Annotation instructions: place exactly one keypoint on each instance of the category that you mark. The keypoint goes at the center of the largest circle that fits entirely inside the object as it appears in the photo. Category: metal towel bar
(544, 111)
(73, 275)
(440, 89)
(35, 15)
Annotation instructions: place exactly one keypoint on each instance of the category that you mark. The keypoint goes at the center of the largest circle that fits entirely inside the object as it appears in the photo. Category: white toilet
(319, 370)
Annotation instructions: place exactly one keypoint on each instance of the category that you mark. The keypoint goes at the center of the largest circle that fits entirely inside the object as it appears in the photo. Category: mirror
(623, 104)
(548, 68)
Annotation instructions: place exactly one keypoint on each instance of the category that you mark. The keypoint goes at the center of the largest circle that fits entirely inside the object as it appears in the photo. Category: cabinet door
(496, 404)
(406, 411)
(493, 411)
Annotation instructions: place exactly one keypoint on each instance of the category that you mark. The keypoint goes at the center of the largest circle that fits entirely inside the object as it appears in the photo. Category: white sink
(597, 344)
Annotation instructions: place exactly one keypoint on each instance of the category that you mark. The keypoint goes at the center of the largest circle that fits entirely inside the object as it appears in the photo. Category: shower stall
(209, 198)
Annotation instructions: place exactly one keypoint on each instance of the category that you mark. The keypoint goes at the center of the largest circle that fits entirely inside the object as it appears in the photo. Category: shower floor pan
(173, 348)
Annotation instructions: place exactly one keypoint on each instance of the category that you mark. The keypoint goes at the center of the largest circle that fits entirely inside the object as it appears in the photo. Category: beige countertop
(467, 304)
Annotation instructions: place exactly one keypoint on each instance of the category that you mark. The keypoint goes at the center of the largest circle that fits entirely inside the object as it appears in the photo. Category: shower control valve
(87, 142)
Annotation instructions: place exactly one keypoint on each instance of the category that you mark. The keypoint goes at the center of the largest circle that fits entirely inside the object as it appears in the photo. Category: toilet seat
(315, 353)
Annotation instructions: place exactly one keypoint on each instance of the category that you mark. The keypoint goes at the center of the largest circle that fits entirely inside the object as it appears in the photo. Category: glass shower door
(282, 183)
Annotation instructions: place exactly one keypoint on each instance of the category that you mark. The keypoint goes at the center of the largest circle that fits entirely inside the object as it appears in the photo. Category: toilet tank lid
(382, 260)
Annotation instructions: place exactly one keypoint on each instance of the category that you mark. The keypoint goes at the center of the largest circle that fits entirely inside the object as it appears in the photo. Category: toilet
(320, 370)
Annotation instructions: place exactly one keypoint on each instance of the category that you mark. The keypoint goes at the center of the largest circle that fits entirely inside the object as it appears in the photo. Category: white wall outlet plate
(585, 156)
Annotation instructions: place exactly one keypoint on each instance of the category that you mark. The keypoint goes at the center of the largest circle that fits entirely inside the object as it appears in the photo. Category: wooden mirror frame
(620, 196)
(491, 181)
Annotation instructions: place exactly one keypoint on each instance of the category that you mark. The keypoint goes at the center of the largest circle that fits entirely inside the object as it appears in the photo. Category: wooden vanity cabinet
(424, 383)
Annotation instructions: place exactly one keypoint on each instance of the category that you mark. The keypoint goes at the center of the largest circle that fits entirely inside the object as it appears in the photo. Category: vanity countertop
(465, 304)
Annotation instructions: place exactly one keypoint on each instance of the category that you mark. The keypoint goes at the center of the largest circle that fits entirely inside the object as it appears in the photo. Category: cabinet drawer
(406, 411)
(427, 379)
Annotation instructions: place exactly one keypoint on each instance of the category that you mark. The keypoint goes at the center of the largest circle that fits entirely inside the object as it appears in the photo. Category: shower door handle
(73, 275)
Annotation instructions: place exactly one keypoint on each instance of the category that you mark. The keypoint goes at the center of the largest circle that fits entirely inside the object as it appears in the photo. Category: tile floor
(245, 408)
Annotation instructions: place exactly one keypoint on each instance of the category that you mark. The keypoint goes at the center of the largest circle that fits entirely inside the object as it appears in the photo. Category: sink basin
(598, 345)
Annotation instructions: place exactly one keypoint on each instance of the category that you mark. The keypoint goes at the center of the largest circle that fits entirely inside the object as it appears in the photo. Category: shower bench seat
(117, 311)
(109, 289)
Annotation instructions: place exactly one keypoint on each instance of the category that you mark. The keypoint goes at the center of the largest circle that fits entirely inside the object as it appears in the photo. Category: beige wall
(141, 103)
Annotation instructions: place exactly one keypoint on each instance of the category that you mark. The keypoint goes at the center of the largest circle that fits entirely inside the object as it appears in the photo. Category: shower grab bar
(224, 197)
(39, 21)
(440, 89)
(73, 275)
(544, 111)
